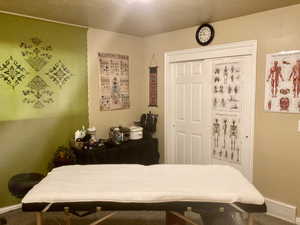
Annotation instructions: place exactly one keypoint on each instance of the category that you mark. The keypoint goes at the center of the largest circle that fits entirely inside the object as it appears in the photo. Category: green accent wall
(29, 132)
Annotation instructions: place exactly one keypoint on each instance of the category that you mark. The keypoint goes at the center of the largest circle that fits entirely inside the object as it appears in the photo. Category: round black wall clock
(205, 34)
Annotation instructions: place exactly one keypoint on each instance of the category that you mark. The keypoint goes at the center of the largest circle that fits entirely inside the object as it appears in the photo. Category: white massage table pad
(144, 184)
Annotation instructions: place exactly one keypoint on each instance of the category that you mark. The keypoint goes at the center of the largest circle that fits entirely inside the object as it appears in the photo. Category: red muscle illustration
(275, 74)
(295, 74)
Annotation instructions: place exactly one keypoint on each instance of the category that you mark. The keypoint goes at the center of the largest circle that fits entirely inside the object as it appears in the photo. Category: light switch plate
(298, 125)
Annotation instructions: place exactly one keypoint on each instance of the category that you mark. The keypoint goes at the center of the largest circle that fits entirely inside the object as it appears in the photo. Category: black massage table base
(118, 206)
(174, 209)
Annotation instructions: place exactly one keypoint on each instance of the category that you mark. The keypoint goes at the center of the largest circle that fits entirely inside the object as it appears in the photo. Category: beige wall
(277, 144)
(110, 42)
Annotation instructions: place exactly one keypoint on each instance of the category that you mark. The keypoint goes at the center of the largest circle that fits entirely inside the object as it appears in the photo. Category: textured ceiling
(140, 17)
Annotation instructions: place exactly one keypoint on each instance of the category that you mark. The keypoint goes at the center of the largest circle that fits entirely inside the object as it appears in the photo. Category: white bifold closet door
(209, 111)
(189, 102)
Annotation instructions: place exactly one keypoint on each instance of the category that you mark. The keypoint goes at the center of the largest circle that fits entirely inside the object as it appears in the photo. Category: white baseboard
(9, 208)
(281, 210)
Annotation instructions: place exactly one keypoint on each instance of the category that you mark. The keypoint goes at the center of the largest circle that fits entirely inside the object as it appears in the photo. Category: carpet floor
(122, 218)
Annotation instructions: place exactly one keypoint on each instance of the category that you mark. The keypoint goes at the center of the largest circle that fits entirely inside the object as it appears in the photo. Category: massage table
(213, 191)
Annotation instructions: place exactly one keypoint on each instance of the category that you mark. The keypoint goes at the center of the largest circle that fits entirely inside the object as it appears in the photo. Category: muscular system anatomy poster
(282, 82)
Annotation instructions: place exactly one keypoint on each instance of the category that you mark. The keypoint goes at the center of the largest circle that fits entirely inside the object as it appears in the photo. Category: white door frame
(244, 48)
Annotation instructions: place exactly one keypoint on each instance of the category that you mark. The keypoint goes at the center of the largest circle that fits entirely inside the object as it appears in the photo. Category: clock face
(205, 34)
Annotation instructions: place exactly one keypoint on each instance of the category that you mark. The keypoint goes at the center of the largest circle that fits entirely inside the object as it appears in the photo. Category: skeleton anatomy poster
(226, 143)
(114, 81)
(282, 82)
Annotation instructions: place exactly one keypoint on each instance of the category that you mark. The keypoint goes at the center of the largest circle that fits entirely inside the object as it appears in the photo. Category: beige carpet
(122, 218)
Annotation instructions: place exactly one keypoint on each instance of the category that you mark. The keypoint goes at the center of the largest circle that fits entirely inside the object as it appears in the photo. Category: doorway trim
(244, 48)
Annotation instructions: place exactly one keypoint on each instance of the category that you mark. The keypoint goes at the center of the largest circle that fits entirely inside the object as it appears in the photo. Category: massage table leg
(176, 218)
(225, 215)
(250, 219)
(67, 216)
(39, 218)
(172, 219)
(227, 218)
(103, 218)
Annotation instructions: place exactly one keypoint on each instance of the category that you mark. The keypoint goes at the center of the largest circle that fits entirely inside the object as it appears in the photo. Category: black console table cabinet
(144, 152)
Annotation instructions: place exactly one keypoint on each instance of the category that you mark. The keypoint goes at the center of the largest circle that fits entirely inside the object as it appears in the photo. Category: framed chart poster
(282, 82)
(114, 81)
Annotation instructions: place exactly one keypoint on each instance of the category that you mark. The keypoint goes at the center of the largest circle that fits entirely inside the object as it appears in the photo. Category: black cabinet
(144, 151)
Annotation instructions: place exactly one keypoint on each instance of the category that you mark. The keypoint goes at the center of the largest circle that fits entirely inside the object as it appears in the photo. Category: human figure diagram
(275, 76)
(295, 76)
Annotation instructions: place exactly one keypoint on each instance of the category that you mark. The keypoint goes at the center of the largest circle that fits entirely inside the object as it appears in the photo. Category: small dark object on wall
(20, 184)
(153, 71)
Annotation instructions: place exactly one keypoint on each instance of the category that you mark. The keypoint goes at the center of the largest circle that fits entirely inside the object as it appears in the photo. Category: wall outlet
(298, 125)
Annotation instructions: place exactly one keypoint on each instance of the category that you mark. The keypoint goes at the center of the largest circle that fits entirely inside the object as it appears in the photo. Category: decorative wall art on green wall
(59, 74)
(38, 93)
(12, 73)
(43, 93)
(37, 54)
(42, 69)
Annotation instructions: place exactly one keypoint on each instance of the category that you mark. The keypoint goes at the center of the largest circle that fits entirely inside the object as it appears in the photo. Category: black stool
(20, 184)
